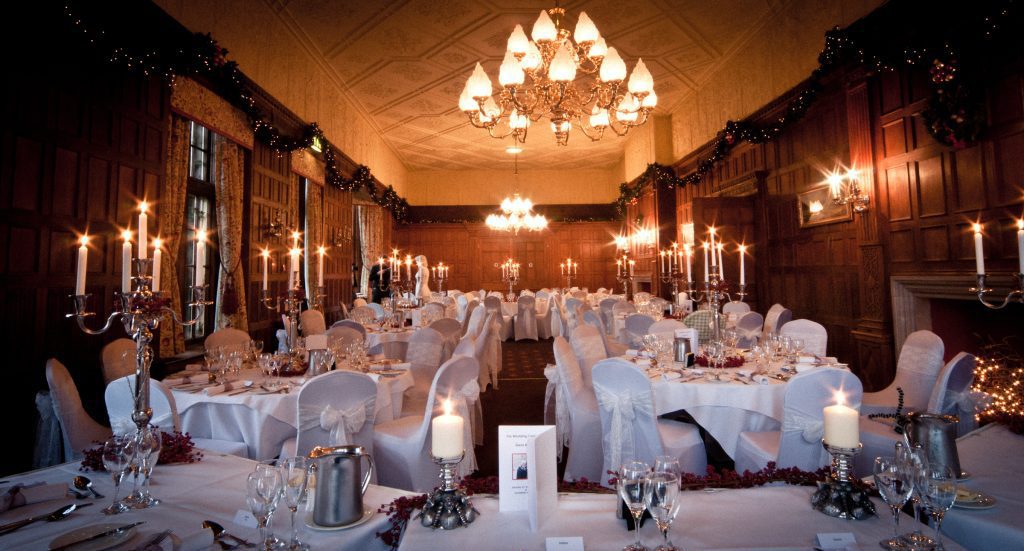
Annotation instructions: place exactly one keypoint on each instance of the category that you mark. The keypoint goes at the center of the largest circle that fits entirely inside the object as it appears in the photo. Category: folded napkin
(19, 495)
(632, 353)
(221, 388)
(761, 379)
(642, 361)
(802, 367)
(186, 380)
(806, 359)
(195, 542)
(671, 375)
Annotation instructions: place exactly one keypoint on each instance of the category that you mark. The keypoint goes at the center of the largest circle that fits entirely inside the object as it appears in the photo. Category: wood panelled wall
(475, 253)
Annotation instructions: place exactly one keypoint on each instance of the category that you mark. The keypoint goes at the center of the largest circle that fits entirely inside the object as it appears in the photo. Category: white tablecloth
(758, 518)
(264, 421)
(213, 488)
(992, 455)
(509, 309)
(375, 337)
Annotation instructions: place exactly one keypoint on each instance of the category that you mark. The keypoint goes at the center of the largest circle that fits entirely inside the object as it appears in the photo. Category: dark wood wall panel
(338, 224)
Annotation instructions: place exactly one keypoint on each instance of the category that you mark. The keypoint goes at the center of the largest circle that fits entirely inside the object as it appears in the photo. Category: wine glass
(939, 494)
(266, 363)
(293, 472)
(631, 485)
(915, 462)
(117, 457)
(263, 491)
(798, 345)
(148, 445)
(667, 464)
(661, 497)
(895, 487)
(255, 348)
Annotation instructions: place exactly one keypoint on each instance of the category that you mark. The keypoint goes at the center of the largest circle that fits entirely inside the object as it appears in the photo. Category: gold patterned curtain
(314, 233)
(171, 211)
(371, 234)
(229, 178)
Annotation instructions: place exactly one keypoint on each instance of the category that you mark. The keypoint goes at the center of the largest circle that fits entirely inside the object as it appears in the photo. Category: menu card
(527, 471)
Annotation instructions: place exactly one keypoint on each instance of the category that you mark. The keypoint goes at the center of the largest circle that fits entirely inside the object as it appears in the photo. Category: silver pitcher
(936, 434)
(340, 484)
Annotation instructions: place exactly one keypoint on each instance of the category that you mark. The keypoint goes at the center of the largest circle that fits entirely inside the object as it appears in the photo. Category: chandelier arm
(618, 132)
(583, 128)
(474, 119)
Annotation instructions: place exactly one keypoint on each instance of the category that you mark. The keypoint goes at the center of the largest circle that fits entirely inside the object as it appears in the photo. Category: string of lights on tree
(201, 55)
(955, 115)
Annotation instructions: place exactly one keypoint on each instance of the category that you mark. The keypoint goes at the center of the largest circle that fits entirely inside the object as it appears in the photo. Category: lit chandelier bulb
(586, 31)
(490, 111)
(479, 83)
(517, 121)
(531, 60)
(544, 29)
(613, 69)
(563, 66)
(641, 82)
(598, 48)
(650, 101)
(466, 102)
(599, 117)
(511, 73)
(518, 41)
(627, 109)
(561, 127)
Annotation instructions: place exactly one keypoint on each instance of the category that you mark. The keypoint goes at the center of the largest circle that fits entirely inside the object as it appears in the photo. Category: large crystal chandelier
(516, 213)
(538, 80)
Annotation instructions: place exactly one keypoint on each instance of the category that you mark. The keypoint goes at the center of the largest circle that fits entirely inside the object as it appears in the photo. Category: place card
(564, 544)
(837, 540)
(528, 471)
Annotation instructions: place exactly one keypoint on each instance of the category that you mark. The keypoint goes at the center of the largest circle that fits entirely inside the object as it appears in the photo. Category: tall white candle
(561, 266)
(689, 262)
(266, 261)
(82, 266)
(293, 267)
(408, 267)
(842, 424)
(126, 262)
(1020, 245)
(743, 270)
(711, 232)
(143, 230)
(446, 434)
(320, 267)
(632, 265)
(618, 267)
(662, 255)
(979, 251)
(706, 263)
(295, 239)
(200, 258)
(721, 265)
(157, 257)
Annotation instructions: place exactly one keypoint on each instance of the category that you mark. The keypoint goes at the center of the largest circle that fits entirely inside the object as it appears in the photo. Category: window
(199, 215)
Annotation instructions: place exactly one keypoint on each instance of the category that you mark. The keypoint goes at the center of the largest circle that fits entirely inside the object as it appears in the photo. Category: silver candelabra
(291, 305)
(981, 290)
(675, 277)
(714, 294)
(510, 279)
(140, 311)
(837, 496)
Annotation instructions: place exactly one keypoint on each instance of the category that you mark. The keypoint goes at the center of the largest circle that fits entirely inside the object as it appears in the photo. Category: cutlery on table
(83, 483)
(111, 532)
(237, 392)
(155, 541)
(219, 533)
(59, 514)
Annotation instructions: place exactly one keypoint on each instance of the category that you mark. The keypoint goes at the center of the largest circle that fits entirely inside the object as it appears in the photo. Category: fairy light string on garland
(201, 55)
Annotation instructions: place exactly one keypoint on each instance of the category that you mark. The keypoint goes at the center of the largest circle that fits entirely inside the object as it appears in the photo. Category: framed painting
(817, 208)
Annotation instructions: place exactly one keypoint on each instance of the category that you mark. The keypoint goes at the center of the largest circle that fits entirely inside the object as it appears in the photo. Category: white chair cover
(493, 304)
(543, 307)
(799, 443)
(631, 430)
(558, 325)
(311, 322)
(346, 336)
(358, 302)
(917, 369)
(735, 307)
(451, 330)
(78, 429)
(426, 347)
(462, 302)
(526, 318)
(605, 306)
(749, 328)
(577, 417)
(589, 349)
(451, 310)
(637, 325)
(624, 308)
(363, 314)
(229, 336)
(526, 293)
(335, 409)
(476, 322)
(377, 309)
(611, 348)
(483, 347)
(351, 324)
(118, 359)
(402, 446)
(467, 321)
(771, 319)
(814, 334)
(665, 327)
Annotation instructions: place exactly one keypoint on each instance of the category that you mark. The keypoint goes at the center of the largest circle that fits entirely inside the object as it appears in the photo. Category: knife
(110, 532)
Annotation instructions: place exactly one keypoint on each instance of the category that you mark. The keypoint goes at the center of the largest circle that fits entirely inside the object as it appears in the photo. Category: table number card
(527, 467)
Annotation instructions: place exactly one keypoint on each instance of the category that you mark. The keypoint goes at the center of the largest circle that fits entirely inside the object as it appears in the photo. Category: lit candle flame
(143, 206)
(447, 407)
(977, 227)
(840, 398)
(743, 248)
(321, 250)
(126, 235)
(157, 243)
(201, 235)
(265, 253)
(1020, 223)
(84, 240)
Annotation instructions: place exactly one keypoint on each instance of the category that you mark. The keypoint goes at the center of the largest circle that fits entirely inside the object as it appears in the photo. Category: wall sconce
(621, 243)
(275, 228)
(645, 238)
(845, 189)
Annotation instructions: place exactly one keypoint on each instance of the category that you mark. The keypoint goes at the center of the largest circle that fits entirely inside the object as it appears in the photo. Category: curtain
(371, 234)
(314, 234)
(171, 214)
(229, 181)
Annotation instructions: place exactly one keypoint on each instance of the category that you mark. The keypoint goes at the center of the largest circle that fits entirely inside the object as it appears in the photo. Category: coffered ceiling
(404, 64)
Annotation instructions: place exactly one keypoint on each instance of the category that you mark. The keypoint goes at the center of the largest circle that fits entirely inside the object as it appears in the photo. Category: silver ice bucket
(936, 434)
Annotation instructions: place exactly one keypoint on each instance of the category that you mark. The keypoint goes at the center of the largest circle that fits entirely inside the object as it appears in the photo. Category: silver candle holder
(1015, 295)
(291, 305)
(713, 295)
(448, 507)
(836, 496)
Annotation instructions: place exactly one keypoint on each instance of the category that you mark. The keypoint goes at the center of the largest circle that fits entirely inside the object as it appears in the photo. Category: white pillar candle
(1020, 245)
(561, 267)
(689, 268)
(979, 251)
(706, 263)
(618, 267)
(721, 265)
(842, 428)
(662, 255)
(711, 232)
(632, 265)
(408, 267)
(82, 266)
(446, 434)
(266, 262)
(320, 267)
(293, 267)
(126, 262)
(396, 270)
(143, 230)
(157, 257)
(743, 270)
(200, 279)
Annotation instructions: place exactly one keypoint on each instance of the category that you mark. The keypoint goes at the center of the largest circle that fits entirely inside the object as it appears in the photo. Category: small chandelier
(550, 62)
(845, 189)
(516, 213)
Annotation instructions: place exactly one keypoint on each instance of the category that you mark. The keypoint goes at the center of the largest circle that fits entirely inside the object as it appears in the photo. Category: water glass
(293, 473)
(915, 462)
(661, 497)
(263, 491)
(895, 487)
(667, 464)
(117, 457)
(632, 485)
(939, 494)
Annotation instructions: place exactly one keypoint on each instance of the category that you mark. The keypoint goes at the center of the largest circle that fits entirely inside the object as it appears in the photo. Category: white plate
(976, 500)
(106, 542)
(367, 515)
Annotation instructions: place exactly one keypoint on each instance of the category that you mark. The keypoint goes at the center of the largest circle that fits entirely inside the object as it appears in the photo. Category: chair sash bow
(811, 428)
(622, 408)
(341, 423)
(559, 390)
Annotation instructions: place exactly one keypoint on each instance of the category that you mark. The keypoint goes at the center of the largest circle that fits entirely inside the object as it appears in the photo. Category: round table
(265, 421)
(378, 338)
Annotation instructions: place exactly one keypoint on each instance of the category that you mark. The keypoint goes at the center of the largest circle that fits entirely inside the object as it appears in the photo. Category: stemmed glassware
(632, 486)
(147, 453)
(661, 497)
(263, 490)
(798, 345)
(915, 462)
(255, 348)
(293, 471)
(939, 494)
(895, 485)
(117, 458)
(667, 464)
